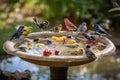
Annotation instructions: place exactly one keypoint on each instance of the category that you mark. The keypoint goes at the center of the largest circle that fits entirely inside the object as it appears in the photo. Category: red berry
(44, 53)
(57, 52)
(47, 52)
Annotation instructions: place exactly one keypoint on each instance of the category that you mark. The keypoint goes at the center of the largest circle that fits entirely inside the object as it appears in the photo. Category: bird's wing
(100, 28)
(82, 28)
(36, 22)
(79, 28)
(90, 54)
(72, 25)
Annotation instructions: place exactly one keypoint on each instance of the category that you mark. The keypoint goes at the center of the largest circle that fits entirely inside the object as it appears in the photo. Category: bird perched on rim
(89, 53)
(57, 28)
(82, 28)
(41, 25)
(27, 30)
(69, 25)
(100, 30)
(17, 33)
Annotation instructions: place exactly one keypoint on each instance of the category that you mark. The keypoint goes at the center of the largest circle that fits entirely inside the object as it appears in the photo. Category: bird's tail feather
(108, 34)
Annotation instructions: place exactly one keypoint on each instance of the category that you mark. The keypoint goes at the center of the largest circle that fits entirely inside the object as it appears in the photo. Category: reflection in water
(106, 68)
(15, 63)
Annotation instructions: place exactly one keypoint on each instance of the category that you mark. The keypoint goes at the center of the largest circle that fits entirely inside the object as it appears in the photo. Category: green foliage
(4, 35)
(16, 5)
(92, 10)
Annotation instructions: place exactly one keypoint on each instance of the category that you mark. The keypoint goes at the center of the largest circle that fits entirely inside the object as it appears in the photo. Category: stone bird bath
(58, 64)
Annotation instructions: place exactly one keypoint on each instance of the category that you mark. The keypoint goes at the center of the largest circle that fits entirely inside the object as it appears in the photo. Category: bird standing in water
(100, 30)
(18, 33)
(82, 28)
(69, 25)
(41, 25)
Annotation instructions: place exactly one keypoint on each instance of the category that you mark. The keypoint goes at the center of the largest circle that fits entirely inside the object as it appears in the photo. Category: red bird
(69, 25)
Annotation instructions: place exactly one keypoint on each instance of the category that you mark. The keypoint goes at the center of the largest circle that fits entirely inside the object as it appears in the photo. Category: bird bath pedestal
(58, 64)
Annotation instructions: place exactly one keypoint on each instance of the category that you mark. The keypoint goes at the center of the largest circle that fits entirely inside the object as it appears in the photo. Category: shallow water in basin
(106, 68)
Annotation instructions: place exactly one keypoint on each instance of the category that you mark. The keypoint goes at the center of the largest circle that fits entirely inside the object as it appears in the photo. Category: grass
(4, 35)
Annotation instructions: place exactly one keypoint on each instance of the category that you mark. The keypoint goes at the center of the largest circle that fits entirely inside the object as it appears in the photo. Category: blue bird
(82, 28)
(41, 25)
(88, 37)
(96, 33)
(17, 33)
(89, 53)
(100, 30)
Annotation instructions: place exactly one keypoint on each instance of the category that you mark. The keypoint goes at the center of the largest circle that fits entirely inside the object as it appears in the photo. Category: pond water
(106, 68)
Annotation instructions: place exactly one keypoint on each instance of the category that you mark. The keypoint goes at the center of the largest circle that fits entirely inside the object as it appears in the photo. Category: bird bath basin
(58, 63)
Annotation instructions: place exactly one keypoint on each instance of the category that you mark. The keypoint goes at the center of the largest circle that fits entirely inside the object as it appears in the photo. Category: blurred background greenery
(17, 12)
